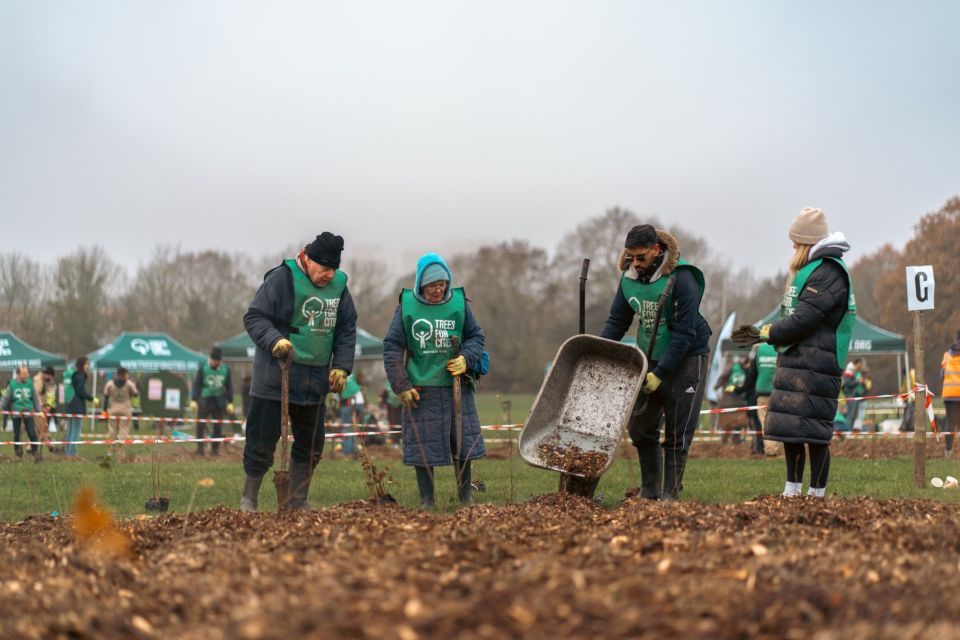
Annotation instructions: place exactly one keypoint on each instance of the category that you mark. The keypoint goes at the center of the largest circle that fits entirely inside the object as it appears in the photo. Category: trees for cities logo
(153, 346)
(311, 310)
(422, 329)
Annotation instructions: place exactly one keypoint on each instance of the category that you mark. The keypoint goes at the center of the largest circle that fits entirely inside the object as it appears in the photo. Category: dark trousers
(676, 403)
(28, 423)
(395, 417)
(757, 447)
(210, 409)
(953, 421)
(853, 409)
(263, 432)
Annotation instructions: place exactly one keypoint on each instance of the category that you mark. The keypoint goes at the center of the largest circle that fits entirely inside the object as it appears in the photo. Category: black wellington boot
(651, 471)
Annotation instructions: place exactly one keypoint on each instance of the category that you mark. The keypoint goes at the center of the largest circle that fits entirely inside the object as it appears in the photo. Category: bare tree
(372, 294)
(87, 282)
(198, 297)
(25, 288)
(508, 285)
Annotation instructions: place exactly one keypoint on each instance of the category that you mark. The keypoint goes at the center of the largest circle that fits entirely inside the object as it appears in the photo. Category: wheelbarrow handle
(584, 267)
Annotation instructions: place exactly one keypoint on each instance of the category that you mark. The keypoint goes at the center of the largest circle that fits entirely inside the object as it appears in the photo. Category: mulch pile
(556, 567)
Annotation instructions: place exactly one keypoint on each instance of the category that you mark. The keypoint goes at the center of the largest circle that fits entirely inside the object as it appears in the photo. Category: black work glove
(746, 335)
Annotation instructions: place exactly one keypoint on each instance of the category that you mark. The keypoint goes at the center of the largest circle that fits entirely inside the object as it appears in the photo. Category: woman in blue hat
(422, 358)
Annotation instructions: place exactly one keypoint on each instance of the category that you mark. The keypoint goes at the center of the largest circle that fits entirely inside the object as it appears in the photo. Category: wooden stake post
(919, 407)
(920, 288)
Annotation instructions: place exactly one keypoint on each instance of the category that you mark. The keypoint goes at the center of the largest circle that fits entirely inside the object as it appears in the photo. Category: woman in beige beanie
(813, 337)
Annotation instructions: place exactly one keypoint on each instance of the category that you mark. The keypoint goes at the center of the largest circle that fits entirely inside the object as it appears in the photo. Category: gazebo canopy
(14, 352)
(145, 352)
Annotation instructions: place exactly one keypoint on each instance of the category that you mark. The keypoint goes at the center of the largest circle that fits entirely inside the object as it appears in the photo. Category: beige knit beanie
(809, 227)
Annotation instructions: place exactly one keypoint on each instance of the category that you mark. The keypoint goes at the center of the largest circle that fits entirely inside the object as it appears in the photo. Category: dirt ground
(553, 567)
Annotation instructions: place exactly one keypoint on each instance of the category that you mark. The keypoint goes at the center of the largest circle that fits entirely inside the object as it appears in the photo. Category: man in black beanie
(654, 279)
(303, 311)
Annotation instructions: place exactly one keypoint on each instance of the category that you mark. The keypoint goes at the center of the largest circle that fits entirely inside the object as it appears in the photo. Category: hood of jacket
(425, 261)
(833, 246)
(671, 248)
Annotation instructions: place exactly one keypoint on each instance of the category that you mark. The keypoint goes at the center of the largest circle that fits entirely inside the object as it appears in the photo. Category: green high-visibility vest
(214, 381)
(792, 295)
(643, 299)
(766, 364)
(351, 388)
(68, 391)
(314, 316)
(737, 375)
(429, 329)
(21, 394)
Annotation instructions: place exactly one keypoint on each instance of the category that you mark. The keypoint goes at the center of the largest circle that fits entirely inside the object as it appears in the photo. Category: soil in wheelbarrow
(557, 566)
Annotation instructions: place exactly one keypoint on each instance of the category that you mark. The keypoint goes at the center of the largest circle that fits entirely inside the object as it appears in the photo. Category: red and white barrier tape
(705, 436)
(106, 416)
(171, 440)
(495, 427)
(395, 429)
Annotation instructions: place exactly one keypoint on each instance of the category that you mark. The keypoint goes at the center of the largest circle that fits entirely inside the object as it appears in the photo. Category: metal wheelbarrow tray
(583, 406)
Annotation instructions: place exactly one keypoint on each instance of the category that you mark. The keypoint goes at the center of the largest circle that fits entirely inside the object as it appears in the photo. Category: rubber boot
(201, 434)
(300, 473)
(464, 479)
(651, 471)
(251, 491)
(674, 464)
(425, 487)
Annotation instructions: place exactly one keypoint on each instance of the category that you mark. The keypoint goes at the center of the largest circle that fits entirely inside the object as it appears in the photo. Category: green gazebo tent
(146, 352)
(240, 347)
(14, 352)
(159, 357)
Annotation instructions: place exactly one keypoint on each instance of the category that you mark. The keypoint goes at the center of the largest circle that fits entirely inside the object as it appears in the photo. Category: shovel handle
(457, 408)
(284, 411)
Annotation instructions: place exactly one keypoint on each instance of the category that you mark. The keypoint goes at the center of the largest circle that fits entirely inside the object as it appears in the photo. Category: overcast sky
(415, 126)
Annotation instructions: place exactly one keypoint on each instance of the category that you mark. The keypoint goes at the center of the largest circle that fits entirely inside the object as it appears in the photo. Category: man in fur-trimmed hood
(656, 278)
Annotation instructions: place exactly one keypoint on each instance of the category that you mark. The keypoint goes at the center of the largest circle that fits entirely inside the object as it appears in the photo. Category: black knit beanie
(325, 249)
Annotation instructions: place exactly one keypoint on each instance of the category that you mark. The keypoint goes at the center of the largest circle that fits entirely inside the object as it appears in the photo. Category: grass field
(43, 488)
(495, 408)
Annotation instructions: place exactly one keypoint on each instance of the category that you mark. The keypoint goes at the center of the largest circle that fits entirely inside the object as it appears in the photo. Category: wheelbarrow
(582, 408)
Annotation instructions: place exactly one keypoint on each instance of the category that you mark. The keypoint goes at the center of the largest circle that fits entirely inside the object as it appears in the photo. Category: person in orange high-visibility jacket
(950, 378)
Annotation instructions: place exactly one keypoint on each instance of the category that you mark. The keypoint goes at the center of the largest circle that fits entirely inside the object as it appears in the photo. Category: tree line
(525, 297)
